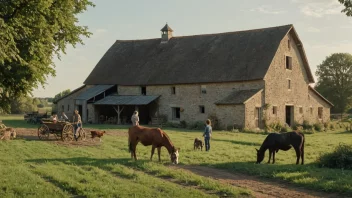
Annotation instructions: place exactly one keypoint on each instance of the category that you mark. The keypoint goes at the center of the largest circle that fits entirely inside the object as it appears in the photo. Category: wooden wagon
(60, 129)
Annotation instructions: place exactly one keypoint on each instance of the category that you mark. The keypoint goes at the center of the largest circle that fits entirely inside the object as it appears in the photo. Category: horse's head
(260, 156)
(174, 155)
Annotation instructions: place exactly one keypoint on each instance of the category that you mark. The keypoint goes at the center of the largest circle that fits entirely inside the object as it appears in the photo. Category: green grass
(63, 168)
(31, 168)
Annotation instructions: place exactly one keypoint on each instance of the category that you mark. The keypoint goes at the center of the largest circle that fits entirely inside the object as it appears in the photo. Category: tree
(335, 80)
(32, 33)
(348, 7)
(23, 104)
(62, 94)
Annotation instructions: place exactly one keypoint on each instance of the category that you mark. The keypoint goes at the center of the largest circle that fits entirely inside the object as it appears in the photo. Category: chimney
(166, 33)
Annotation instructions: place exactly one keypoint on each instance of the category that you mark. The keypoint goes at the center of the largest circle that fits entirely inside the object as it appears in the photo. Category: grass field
(38, 168)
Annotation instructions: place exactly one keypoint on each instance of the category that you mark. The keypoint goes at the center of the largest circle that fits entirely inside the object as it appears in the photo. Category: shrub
(172, 125)
(308, 131)
(276, 127)
(306, 125)
(196, 125)
(318, 127)
(183, 124)
(286, 129)
(332, 126)
(341, 157)
(326, 125)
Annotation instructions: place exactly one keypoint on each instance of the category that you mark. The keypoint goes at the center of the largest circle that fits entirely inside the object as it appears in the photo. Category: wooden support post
(118, 111)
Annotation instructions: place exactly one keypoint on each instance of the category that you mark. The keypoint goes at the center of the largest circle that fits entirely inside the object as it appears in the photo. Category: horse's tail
(302, 143)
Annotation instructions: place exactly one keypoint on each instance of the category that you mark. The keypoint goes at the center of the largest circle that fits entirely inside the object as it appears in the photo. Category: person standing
(135, 119)
(207, 134)
(77, 123)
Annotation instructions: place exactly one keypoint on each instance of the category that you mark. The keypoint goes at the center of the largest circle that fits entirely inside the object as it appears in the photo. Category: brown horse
(151, 136)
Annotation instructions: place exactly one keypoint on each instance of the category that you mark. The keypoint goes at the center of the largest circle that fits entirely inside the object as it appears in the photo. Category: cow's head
(174, 155)
(260, 156)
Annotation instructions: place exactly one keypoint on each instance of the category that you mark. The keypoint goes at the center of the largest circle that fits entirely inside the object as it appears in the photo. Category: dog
(7, 133)
(198, 144)
(98, 134)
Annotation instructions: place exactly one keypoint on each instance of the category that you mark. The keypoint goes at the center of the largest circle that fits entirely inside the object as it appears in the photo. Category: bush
(172, 125)
(341, 157)
(318, 127)
(308, 131)
(276, 127)
(332, 126)
(183, 124)
(196, 125)
(327, 125)
(286, 129)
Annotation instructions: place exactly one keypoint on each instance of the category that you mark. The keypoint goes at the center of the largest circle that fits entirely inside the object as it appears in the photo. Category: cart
(60, 129)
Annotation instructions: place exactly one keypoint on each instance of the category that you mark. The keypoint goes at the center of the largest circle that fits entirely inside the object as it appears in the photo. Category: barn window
(201, 109)
(143, 90)
(203, 89)
(173, 90)
(320, 112)
(176, 113)
(68, 107)
(288, 61)
(311, 110)
(289, 84)
(274, 110)
(300, 110)
(289, 44)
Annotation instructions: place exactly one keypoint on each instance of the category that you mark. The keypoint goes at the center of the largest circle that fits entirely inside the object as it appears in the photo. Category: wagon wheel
(82, 134)
(43, 132)
(67, 133)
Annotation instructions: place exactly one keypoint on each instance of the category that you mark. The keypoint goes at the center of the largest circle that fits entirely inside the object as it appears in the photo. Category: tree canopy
(335, 80)
(62, 94)
(32, 33)
(348, 7)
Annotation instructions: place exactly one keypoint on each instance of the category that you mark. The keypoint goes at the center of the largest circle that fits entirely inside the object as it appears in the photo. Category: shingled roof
(238, 97)
(223, 57)
(166, 28)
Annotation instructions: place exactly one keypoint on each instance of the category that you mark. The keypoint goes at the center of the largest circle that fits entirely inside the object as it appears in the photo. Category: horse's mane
(167, 137)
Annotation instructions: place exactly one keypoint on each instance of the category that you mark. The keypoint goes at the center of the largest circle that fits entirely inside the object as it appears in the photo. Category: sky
(321, 26)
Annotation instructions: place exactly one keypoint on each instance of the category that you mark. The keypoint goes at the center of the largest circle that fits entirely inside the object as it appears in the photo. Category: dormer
(166, 33)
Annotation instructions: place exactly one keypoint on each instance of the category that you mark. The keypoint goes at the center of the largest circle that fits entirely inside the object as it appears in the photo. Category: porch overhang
(126, 100)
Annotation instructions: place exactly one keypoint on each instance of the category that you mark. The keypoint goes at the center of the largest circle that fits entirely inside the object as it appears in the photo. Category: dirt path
(260, 187)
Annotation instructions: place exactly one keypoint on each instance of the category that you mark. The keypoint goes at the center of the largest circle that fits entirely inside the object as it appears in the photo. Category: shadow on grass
(83, 161)
(237, 142)
(345, 132)
(309, 176)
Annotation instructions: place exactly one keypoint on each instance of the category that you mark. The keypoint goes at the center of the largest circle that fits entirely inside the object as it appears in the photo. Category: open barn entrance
(116, 109)
(289, 115)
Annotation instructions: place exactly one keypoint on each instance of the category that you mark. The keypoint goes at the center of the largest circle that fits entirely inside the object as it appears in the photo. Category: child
(207, 134)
